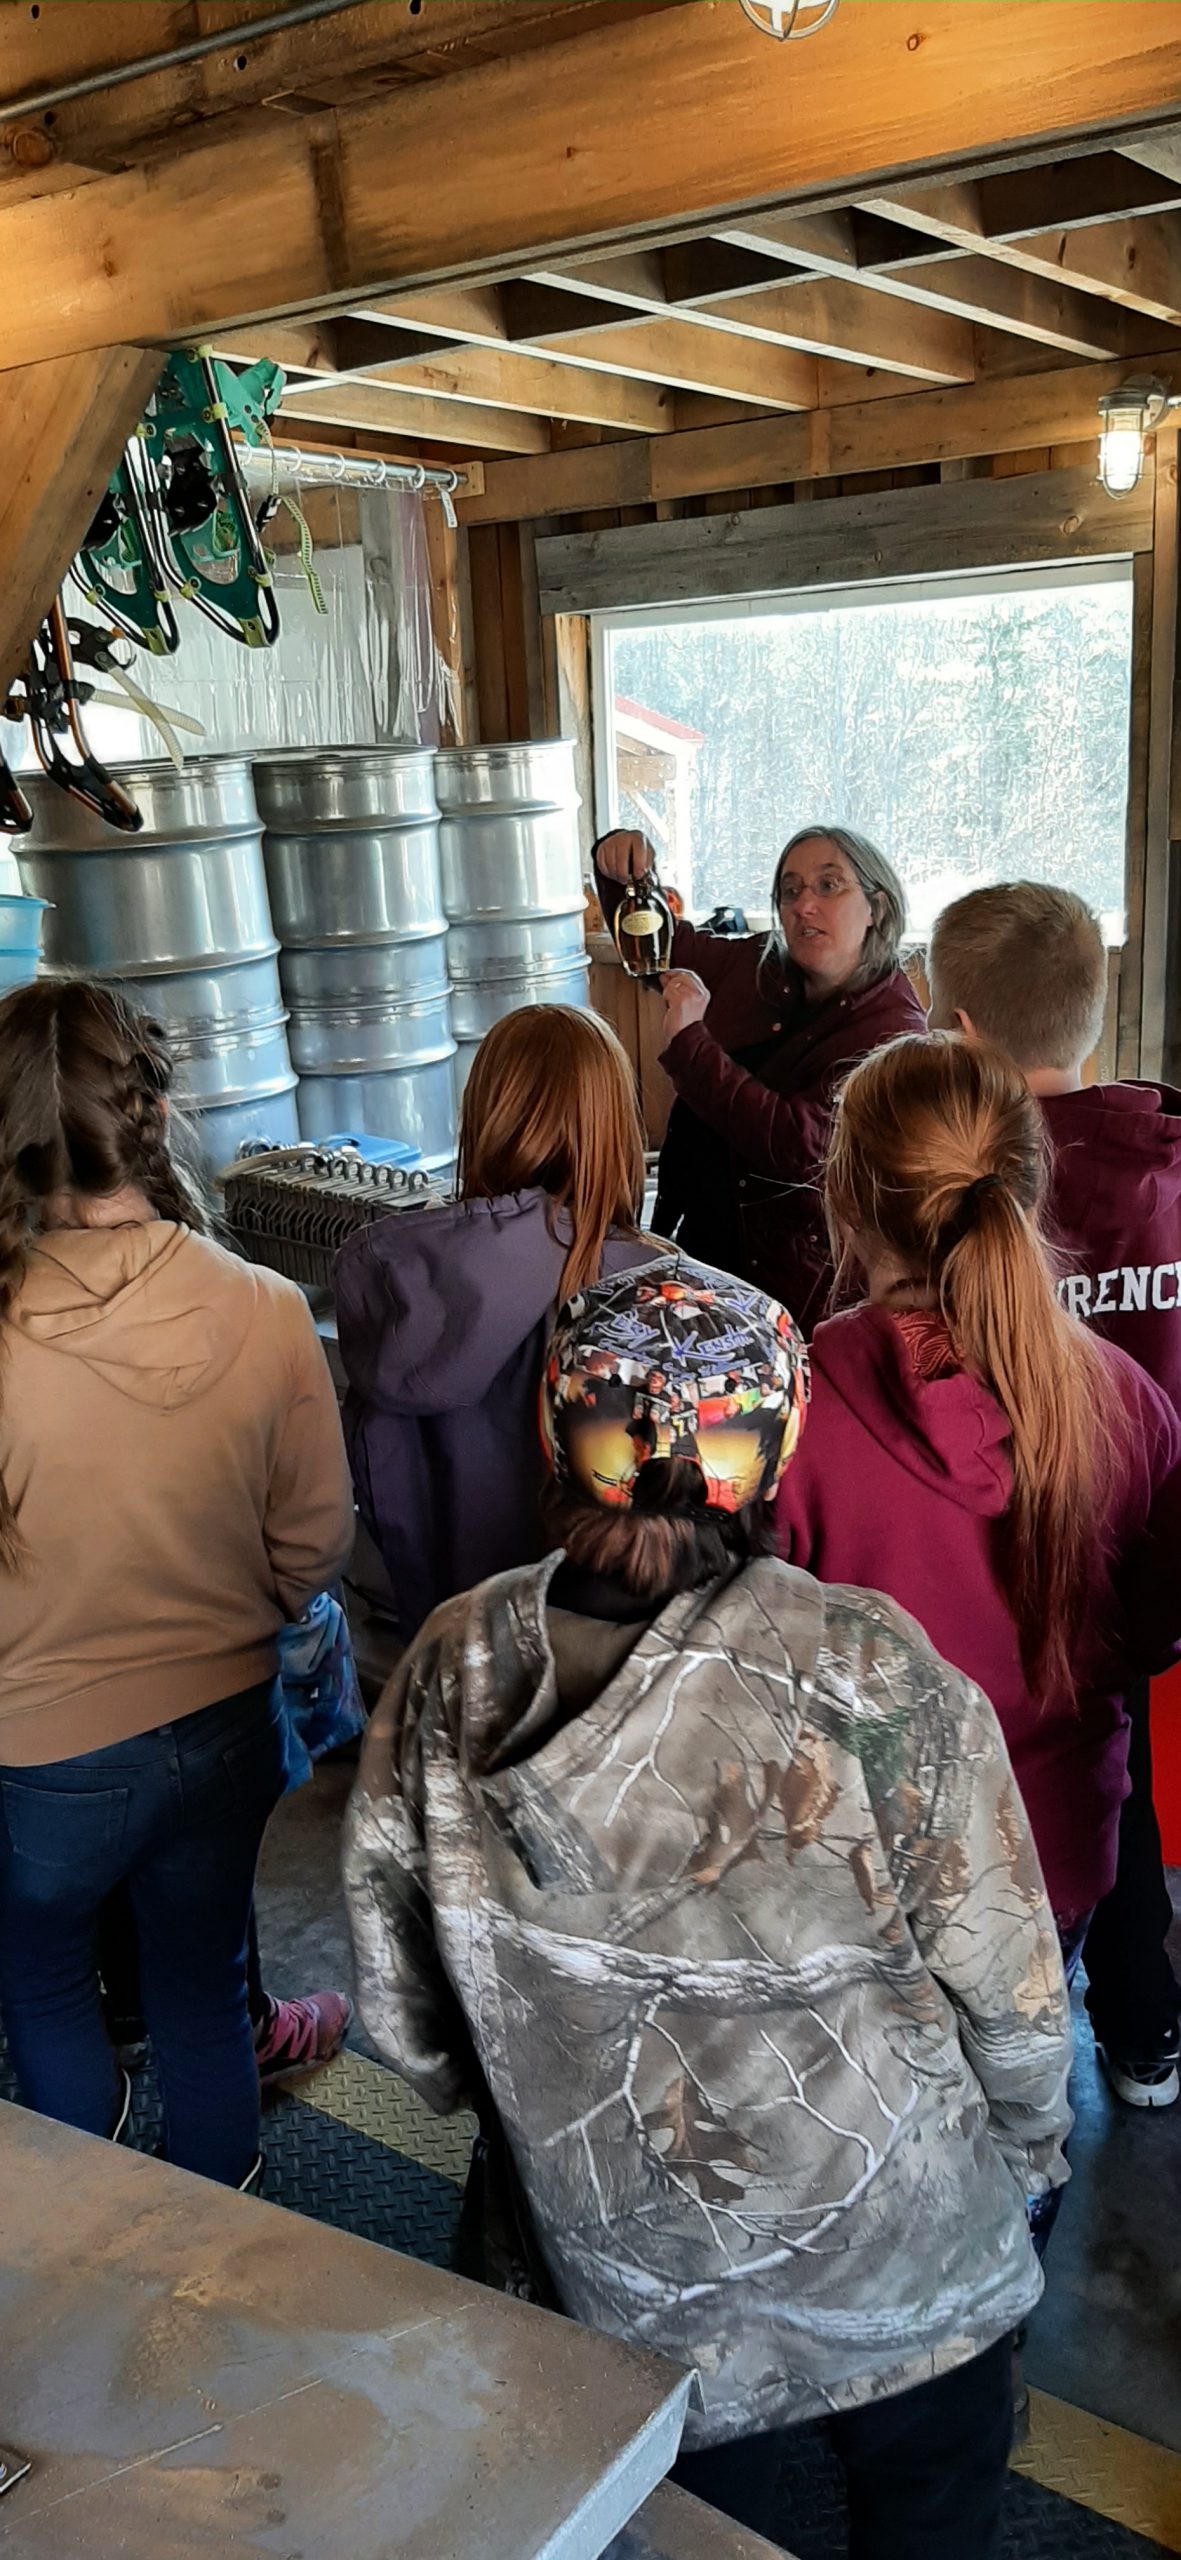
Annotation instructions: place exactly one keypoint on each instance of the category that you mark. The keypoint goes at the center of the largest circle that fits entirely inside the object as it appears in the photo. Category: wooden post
(63, 426)
(451, 616)
(1158, 1006)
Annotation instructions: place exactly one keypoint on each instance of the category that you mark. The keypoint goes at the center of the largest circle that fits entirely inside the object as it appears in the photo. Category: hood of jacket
(1125, 1141)
(946, 1430)
(156, 1311)
(431, 1303)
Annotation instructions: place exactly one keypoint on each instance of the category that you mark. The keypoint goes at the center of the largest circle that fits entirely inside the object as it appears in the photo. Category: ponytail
(938, 1155)
(84, 1084)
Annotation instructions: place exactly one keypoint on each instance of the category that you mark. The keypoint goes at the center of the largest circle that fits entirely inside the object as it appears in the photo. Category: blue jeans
(178, 1816)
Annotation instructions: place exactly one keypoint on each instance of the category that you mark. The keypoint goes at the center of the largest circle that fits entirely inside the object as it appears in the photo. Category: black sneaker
(1141, 2080)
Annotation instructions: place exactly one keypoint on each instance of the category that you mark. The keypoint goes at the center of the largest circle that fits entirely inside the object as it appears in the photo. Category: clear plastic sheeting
(363, 672)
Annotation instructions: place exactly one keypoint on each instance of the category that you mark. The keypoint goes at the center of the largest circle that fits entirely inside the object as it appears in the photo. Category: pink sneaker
(300, 2036)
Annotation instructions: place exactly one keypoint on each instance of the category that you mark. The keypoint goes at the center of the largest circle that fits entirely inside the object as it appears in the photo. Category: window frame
(787, 601)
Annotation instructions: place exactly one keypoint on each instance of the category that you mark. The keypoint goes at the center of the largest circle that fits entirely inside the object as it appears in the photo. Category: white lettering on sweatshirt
(1128, 1291)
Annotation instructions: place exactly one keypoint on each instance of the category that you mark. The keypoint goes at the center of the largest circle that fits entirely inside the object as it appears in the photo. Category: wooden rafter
(682, 117)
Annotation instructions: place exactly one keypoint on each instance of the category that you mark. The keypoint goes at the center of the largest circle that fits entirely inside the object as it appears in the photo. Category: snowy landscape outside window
(977, 729)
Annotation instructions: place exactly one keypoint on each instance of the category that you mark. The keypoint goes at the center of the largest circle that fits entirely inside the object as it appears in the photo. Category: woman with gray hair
(760, 1031)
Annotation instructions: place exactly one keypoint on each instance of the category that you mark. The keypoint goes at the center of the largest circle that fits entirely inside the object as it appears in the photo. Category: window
(976, 728)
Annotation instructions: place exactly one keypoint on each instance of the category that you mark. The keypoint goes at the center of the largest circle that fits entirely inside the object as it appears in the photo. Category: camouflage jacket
(754, 1954)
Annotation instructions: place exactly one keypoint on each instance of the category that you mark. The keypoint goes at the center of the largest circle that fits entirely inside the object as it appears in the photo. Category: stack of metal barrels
(352, 857)
(398, 904)
(512, 883)
(178, 917)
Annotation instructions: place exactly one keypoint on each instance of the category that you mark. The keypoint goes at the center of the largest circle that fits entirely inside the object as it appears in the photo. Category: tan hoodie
(170, 1439)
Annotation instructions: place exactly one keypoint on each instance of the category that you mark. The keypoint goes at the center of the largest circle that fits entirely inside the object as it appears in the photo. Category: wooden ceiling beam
(673, 119)
(1009, 416)
(460, 422)
(973, 287)
(642, 345)
(1066, 195)
(533, 384)
(815, 316)
(63, 428)
(323, 61)
(1136, 264)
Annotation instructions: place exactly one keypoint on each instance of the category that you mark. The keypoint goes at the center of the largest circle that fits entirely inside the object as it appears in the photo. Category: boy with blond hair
(1024, 966)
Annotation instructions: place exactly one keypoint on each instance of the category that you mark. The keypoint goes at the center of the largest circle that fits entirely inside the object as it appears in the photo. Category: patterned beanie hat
(673, 1361)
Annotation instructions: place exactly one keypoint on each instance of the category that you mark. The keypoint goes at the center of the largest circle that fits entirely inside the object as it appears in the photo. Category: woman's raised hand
(686, 1000)
(624, 855)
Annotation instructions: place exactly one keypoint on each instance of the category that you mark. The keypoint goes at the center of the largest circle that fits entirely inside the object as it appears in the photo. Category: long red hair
(938, 1155)
(550, 1105)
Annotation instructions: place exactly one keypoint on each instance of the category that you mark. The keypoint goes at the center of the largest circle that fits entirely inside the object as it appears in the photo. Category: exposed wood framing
(337, 58)
(458, 422)
(1159, 1010)
(63, 427)
(870, 435)
(894, 533)
(680, 117)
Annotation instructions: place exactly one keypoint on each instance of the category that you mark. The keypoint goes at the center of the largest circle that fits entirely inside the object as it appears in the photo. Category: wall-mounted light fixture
(785, 19)
(1126, 416)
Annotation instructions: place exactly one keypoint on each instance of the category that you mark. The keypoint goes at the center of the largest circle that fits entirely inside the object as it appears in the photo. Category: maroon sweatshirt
(775, 1124)
(1116, 1214)
(901, 1483)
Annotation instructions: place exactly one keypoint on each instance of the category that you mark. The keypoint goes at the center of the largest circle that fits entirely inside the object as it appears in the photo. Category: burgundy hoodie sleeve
(783, 1134)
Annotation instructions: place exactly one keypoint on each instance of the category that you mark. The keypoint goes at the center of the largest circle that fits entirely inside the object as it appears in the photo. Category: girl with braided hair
(173, 1488)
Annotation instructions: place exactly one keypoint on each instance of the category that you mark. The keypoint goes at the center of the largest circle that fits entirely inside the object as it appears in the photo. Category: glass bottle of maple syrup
(643, 930)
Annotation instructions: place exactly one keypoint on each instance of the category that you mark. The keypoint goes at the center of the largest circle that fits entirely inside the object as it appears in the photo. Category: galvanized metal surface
(480, 954)
(207, 796)
(357, 885)
(221, 1129)
(365, 973)
(377, 1034)
(331, 787)
(474, 1009)
(189, 2369)
(227, 1028)
(414, 1103)
(673, 2526)
(533, 773)
(508, 838)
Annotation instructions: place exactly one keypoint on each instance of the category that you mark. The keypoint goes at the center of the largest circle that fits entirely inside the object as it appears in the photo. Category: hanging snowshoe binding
(51, 702)
(210, 540)
(121, 568)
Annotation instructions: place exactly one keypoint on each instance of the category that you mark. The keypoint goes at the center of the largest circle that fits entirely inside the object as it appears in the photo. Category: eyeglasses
(829, 885)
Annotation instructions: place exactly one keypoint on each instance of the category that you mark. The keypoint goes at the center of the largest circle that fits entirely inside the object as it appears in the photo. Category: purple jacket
(901, 1483)
(443, 1315)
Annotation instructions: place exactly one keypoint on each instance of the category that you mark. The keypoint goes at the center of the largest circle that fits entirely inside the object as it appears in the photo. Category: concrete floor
(1107, 2337)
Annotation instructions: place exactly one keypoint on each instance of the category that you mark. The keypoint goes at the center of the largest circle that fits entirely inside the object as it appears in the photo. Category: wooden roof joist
(668, 123)
(995, 416)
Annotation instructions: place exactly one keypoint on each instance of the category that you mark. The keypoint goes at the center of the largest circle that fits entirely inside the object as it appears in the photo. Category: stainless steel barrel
(352, 855)
(495, 968)
(512, 883)
(352, 845)
(178, 917)
(509, 831)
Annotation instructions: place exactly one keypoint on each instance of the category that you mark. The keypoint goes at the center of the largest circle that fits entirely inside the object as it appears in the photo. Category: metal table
(194, 2373)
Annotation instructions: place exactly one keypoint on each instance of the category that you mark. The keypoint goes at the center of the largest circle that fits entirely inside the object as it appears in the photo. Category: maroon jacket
(1116, 1212)
(901, 1483)
(776, 1123)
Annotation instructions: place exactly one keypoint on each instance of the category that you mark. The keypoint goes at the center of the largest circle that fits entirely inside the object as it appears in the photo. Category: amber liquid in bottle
(644, 931)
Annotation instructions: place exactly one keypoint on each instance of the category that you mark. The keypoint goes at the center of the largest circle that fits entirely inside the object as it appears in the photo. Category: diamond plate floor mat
(1038, 2524)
